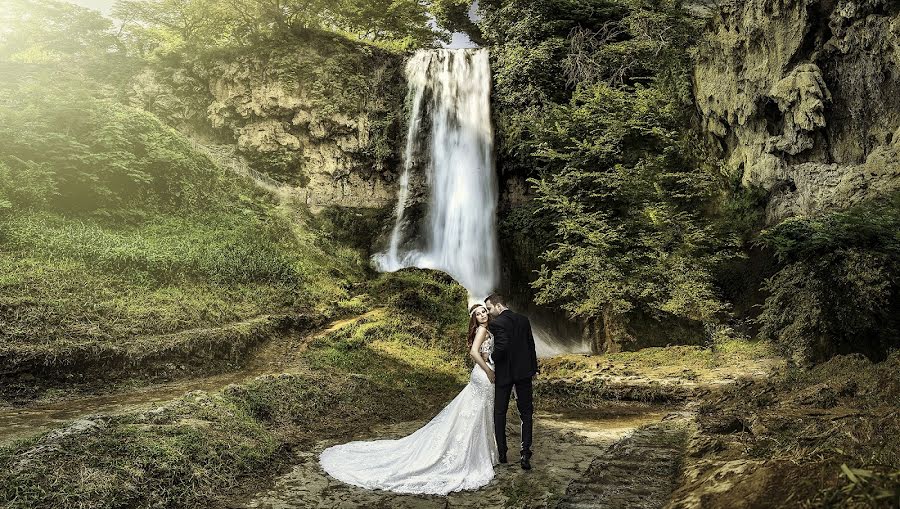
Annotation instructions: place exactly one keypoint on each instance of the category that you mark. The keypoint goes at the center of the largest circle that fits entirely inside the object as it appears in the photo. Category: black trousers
(524, 403)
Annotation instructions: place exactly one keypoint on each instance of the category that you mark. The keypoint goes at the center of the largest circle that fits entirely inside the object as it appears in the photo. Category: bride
(454, 451)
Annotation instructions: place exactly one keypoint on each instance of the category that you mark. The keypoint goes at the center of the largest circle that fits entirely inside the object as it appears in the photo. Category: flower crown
(475, 308)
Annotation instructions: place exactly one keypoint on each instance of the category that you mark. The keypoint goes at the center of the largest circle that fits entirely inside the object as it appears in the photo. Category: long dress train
(454, 451)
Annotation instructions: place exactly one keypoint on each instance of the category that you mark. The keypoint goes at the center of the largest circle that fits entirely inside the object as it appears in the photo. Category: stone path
(640, 470)
(566, 447)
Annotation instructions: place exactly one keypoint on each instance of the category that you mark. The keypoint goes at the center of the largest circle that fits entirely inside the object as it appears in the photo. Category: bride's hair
(473, 323)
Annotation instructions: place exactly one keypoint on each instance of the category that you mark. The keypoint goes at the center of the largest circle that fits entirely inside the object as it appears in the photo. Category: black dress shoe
(503, 458)
(525, 456)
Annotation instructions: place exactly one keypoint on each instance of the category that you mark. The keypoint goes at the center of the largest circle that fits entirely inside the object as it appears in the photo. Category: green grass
(179, 454)
(113, 228)
(422, 335)
(660, 374)
(723, 354)
(726, 354)
(391, 365)
(66, 281)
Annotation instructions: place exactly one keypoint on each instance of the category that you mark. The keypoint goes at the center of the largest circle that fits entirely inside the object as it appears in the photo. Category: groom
(516, 364)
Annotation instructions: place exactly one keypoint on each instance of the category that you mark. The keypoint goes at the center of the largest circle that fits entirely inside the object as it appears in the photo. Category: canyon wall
(802, 98)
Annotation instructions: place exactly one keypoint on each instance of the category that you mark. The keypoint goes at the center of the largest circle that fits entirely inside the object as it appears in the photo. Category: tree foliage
(63, 149)
(167, 26)
(453, 15)
(594, 105)
(67, 38)
(837, 289)
(164, 55)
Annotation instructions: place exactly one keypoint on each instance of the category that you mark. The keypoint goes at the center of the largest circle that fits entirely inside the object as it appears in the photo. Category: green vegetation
(196, 451)
(76, 43)
(417, 338)
(593, 103)
(173, 25)
(113, 228)
(837, 288)
(329, 81)
(671, 374)
(336, 60)
(634, 227)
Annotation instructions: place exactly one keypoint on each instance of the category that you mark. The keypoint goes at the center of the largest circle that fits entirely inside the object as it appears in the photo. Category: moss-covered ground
(399, 362)
(671, 374)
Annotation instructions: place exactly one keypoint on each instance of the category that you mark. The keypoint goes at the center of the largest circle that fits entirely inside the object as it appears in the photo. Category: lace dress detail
(487, 346)
(454, 451)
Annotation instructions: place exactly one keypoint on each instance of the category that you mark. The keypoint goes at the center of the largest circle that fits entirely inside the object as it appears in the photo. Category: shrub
(77, 154)
(836, 290)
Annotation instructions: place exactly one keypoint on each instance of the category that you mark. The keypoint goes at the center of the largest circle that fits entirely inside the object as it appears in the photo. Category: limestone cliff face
(803, 99)
(326, 121)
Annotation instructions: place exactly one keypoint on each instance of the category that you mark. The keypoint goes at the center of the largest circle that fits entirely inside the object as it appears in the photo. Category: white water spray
(452, 87)
(449, 96)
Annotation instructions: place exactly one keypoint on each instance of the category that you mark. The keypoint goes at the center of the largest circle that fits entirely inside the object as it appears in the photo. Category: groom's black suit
(515, 361)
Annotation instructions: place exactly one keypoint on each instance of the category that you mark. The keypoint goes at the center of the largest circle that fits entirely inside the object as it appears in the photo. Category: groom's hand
(492, 376)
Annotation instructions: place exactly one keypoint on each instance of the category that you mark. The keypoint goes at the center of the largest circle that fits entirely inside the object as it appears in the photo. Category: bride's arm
(475, 352)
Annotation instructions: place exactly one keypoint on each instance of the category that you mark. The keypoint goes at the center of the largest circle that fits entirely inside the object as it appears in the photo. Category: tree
(199, 24)
(77, 45)
(594, 104)
(453, 15)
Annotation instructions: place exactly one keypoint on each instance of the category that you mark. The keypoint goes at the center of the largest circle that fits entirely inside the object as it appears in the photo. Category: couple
(457, 450)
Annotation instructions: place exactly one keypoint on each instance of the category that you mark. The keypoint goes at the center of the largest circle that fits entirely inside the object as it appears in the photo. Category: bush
(836, 290)
(593, 104)
(77, 154)
(112, 226)
(26, 185)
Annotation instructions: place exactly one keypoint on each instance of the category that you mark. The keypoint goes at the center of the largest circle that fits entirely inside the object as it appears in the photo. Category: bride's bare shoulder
(483, 331)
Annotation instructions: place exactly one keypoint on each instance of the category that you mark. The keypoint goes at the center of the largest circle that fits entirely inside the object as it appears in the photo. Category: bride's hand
(491, 376)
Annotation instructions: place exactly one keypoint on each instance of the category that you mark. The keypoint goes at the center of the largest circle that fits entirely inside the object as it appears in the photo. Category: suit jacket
(514, 355)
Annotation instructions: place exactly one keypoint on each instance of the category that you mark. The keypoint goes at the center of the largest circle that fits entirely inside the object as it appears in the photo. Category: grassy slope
(660, 374)
(114, 231)
(401, 361)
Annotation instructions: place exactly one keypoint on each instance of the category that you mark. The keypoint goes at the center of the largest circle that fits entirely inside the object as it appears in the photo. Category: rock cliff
(802, 98)
(319, 112)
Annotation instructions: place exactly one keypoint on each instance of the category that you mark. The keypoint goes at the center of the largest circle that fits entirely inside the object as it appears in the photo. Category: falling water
(449, 91)
(451, 138)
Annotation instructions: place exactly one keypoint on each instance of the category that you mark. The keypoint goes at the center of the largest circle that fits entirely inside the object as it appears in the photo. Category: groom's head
(495, 304)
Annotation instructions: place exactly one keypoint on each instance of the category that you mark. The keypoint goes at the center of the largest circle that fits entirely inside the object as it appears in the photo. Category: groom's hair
(496, 298)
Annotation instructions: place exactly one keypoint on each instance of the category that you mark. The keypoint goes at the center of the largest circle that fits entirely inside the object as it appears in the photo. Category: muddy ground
(636, 431)
(570, 448)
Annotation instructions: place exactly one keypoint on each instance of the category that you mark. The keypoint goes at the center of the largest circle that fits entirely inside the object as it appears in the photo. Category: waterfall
(451, 139)
(449, 94)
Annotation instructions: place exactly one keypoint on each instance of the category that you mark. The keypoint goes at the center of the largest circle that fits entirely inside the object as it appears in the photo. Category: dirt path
(639, 471)
(566, 446)
(277, 356)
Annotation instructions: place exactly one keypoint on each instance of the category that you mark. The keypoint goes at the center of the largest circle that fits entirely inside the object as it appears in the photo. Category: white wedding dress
(454, 451)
